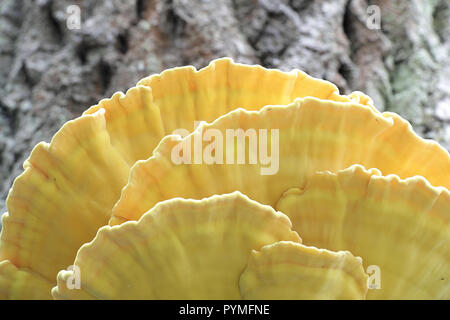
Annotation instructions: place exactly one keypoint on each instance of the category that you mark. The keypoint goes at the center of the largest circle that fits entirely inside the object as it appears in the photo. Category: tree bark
(49, 74)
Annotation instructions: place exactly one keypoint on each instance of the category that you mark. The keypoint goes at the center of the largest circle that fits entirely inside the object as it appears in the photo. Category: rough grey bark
(50, 74)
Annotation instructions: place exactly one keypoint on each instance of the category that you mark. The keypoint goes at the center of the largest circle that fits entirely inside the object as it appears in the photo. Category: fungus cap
(181, 249)
(291, 271)
(70, 184)
(312, 135)
(401, 227)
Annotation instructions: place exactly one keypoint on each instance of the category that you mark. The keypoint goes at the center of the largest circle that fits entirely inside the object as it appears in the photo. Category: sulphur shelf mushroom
(400, 226)
(187, 249)
(72, 187)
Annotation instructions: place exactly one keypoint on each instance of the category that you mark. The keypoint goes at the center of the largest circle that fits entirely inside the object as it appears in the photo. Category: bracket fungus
(360, 187)
(401, 226)
(289, 270)
(198, 249)
(314, 135)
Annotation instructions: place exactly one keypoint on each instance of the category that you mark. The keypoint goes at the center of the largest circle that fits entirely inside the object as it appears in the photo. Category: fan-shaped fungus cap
(289, 270)
(400, 226)
(198, 249)
(313, 135)
(63, 197)
(178, 97)
(181, 249)
(70, 185)
(21, 284)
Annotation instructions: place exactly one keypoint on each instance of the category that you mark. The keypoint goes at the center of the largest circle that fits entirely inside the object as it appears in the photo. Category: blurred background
(57, 58)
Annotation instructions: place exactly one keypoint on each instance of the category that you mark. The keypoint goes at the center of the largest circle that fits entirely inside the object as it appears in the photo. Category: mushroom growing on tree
(114, 164)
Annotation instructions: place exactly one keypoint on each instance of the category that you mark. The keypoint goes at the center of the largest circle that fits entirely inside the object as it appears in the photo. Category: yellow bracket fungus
(70, 185)
(188, 249)
(114, 164)
(181, 249)
(314, 135)
(289, 270)
(401, 226)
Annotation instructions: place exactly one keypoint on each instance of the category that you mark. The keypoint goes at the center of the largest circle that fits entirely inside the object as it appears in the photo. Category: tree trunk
(50, 73)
